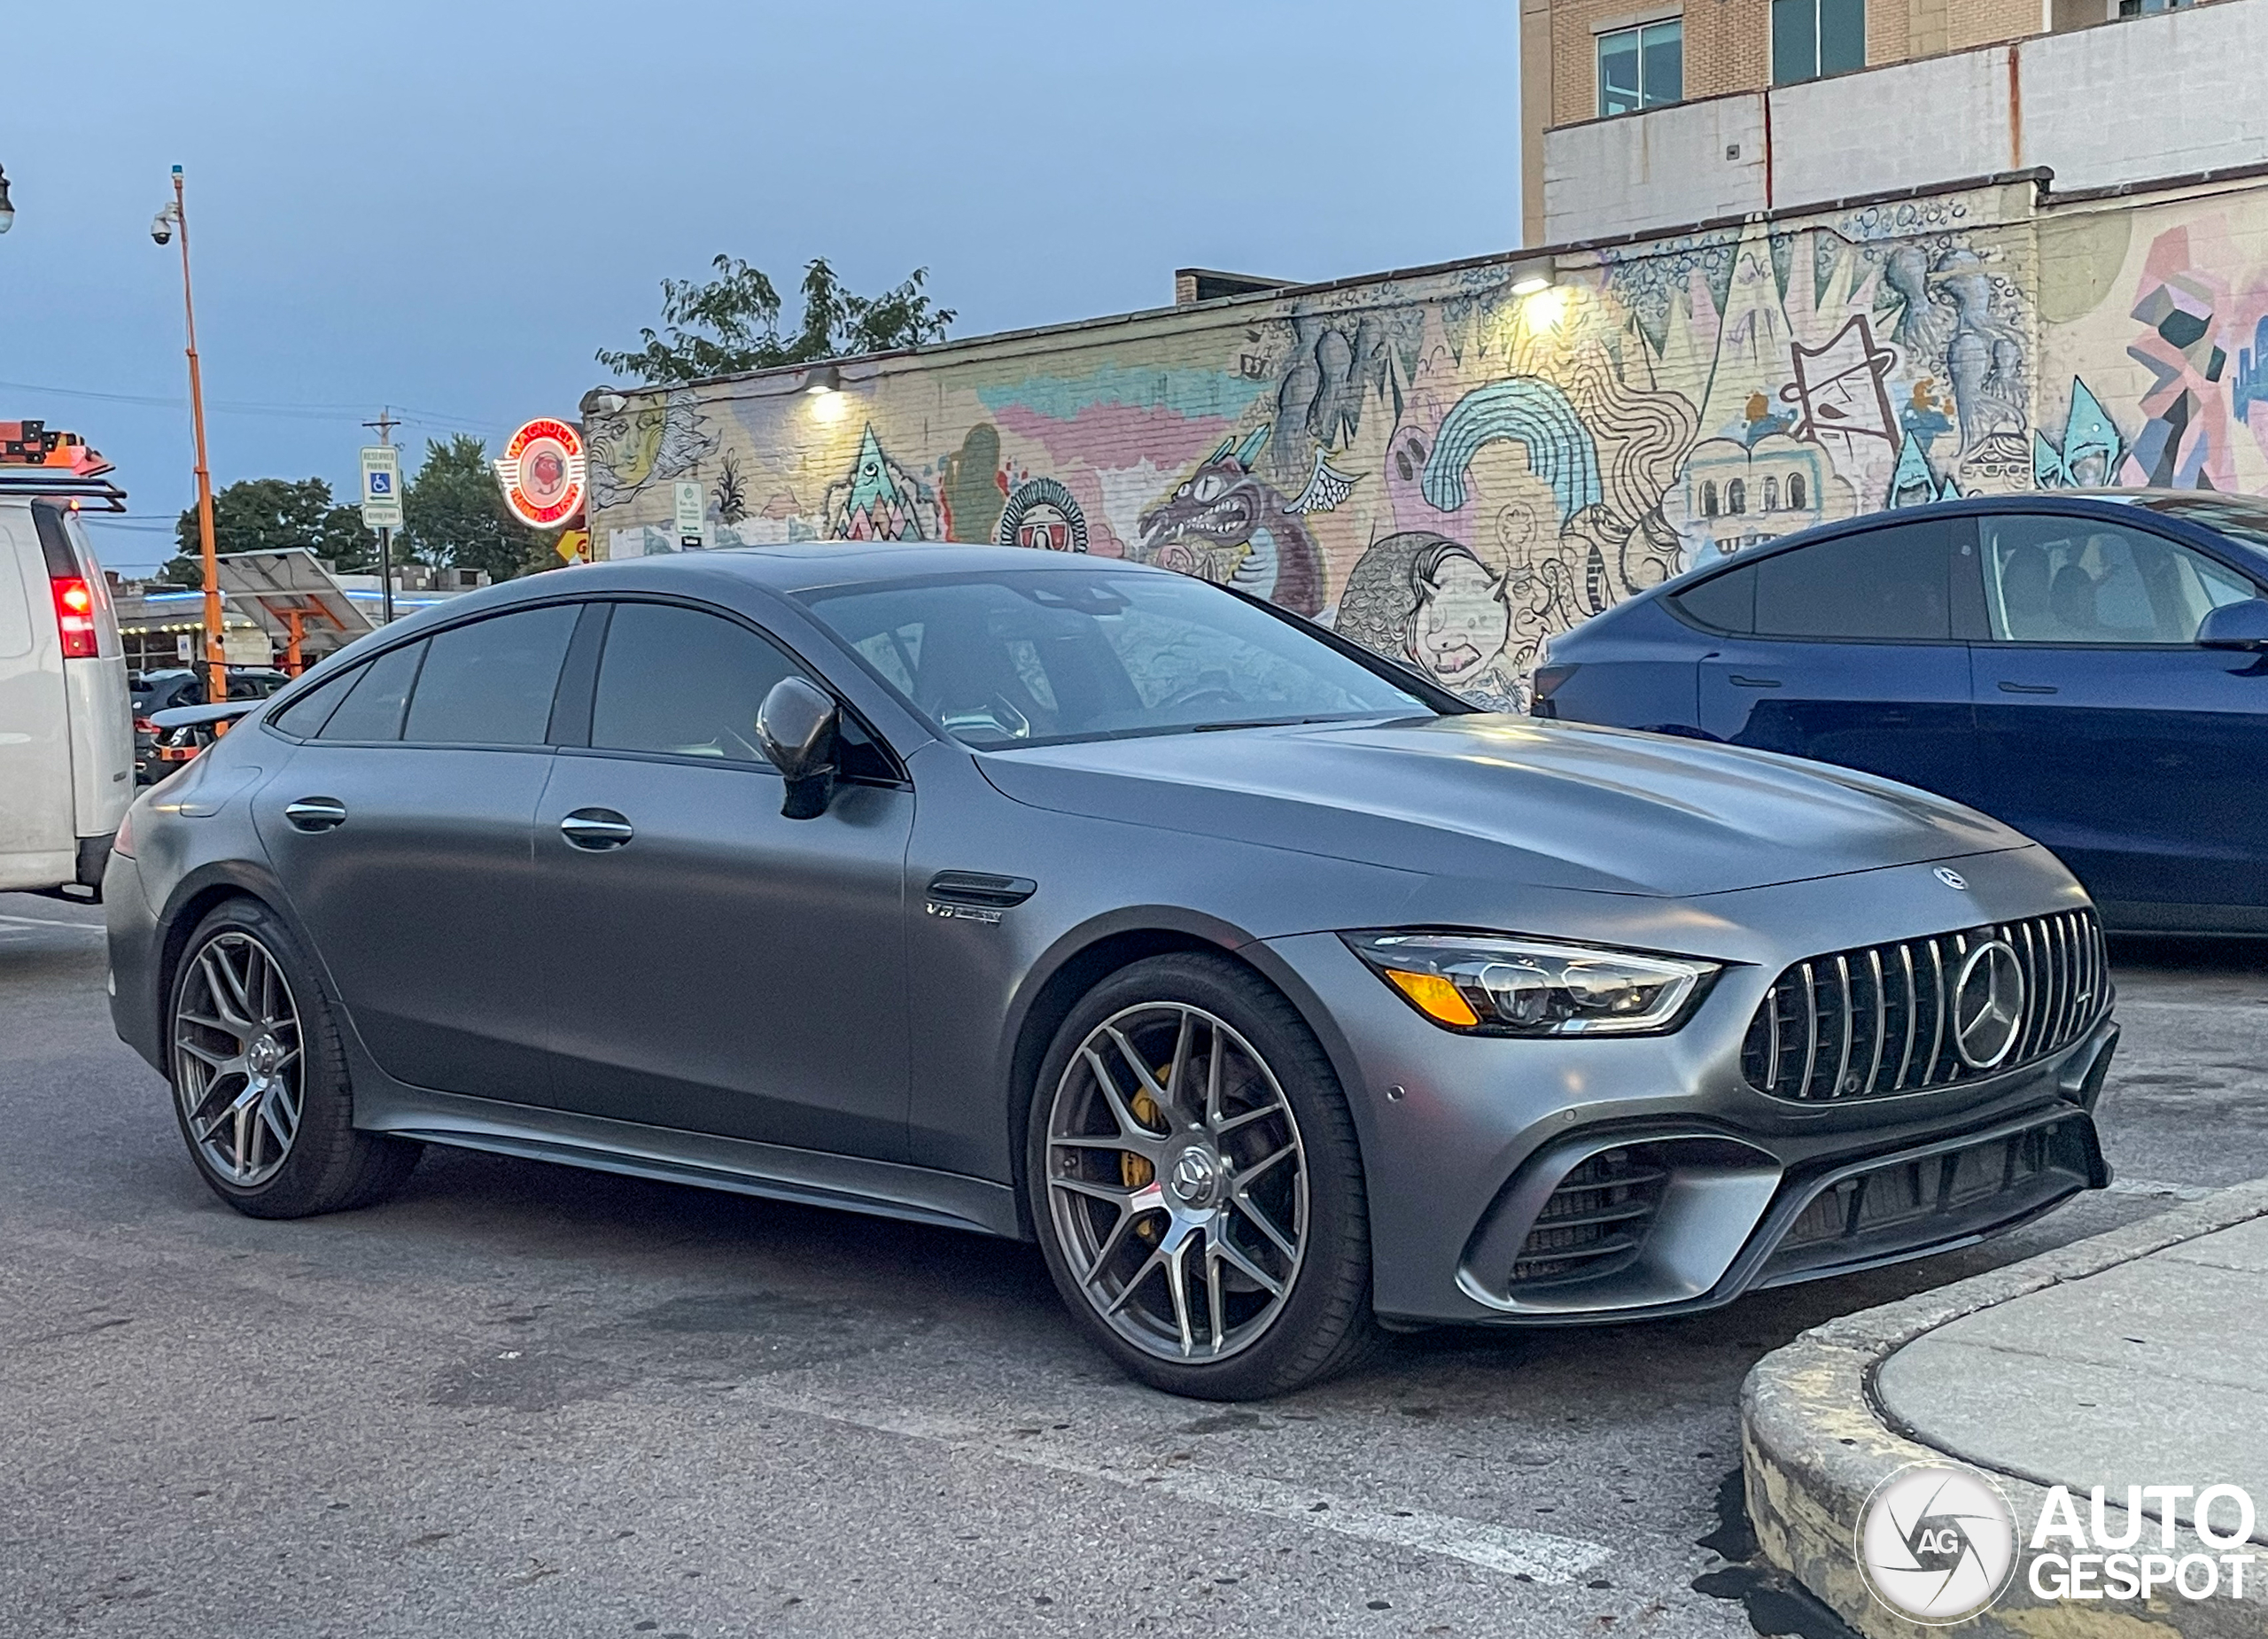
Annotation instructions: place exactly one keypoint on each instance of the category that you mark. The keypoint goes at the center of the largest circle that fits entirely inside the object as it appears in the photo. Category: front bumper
(1549, 1181)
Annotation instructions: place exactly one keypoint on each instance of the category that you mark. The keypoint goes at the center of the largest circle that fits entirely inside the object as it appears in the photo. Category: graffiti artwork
(1450, 472)
(1042, 513)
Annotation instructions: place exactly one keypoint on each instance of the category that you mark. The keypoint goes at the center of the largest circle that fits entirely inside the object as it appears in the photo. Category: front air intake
(1595, 1222)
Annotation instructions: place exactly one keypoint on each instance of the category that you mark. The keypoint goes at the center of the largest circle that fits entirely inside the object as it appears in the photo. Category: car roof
(809, 566)
(2080, 502)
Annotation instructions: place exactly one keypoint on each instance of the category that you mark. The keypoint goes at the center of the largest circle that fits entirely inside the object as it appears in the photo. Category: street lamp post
(7, 210)
(172, 220)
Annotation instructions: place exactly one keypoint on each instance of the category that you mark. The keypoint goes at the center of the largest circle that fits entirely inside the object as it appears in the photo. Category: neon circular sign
(543, 471)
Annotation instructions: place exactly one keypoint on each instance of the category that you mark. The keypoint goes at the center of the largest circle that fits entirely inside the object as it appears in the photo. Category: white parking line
(42, 922)
(2151, 1186)
(1535, 1556)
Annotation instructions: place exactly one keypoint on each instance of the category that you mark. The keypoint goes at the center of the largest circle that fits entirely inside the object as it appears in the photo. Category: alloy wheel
(1177, 1182)
(237, 1064)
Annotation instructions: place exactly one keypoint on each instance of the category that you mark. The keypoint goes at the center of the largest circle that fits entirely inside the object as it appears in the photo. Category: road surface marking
(2151, 1186)
(1537, 1556)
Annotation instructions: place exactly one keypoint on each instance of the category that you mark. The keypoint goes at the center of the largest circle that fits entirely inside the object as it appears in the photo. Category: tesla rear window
(1044, 656)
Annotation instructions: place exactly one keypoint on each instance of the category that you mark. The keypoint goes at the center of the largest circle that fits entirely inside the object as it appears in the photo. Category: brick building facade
(1728, 46)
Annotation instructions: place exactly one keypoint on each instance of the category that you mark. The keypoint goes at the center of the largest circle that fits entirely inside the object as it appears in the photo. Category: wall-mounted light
(823, 378)
(1533, 277)
(602, 401)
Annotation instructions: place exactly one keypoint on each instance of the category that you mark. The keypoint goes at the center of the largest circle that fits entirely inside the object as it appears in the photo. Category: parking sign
(381, 487)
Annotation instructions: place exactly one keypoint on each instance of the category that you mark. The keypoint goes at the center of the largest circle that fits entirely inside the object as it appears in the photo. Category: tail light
(123, 842)
(75, 616)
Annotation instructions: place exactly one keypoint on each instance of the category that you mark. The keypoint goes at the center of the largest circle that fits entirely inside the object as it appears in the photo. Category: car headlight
(1485, 984)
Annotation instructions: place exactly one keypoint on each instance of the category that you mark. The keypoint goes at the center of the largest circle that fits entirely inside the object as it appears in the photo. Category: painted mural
(1451, 473)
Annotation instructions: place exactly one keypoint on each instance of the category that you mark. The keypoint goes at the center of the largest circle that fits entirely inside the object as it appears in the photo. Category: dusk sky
(448, 208)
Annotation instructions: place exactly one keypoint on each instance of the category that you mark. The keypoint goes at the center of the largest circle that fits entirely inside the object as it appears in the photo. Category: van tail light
(75, 616)
(123, 842)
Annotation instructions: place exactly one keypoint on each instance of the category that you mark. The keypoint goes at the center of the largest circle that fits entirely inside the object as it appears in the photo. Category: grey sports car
(1280, 997)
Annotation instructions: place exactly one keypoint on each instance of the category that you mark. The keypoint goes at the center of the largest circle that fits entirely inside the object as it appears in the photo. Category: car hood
(1507, 799)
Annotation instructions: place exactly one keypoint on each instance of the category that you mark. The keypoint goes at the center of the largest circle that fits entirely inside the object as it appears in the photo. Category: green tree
(454, 513)
(262, 514)
(731, 323)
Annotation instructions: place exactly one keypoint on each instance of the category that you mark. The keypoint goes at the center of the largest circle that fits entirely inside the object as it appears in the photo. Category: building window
(1815, 37)
(2144, 8)
(1708, 498)
(1771, 494)
(1796, 498)
(1736, 497)
(1640, 67)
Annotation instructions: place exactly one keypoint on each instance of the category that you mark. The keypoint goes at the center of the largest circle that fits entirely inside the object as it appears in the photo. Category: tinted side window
(491, 683)
(677, 681)
(1725, 603)
(305, 717)
(372, 709)
(2050, 579)
(1885, 583)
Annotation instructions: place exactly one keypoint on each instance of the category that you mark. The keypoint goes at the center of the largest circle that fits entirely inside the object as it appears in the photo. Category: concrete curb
(1814, 1443)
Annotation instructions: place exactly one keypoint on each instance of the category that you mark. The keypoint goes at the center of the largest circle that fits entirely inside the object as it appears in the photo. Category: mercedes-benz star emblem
(1987, 1003)
(1950, 877)
(1192, 1177)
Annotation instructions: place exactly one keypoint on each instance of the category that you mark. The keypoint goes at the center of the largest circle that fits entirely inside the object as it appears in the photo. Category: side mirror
(796, 727)
(2236, 625)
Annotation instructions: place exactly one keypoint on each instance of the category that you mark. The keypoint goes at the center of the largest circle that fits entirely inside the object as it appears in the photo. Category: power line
(414, 417)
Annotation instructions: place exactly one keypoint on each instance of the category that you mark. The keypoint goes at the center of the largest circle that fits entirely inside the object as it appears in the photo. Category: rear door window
(1891, 583)
(1725, 603)
(371, 708)
(304, 717)
(2065, 580)
(491, 682)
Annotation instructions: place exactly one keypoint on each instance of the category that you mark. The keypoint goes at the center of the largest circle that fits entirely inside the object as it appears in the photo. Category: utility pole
(174, 218)
(384, 426)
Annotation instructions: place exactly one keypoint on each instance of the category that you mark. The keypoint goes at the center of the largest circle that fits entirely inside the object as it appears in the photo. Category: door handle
(596, 829)
(2028, 688)
(1738, 681)
(316, 814)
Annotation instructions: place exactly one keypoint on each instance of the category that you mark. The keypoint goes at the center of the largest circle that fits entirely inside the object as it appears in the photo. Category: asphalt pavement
(523, 1399)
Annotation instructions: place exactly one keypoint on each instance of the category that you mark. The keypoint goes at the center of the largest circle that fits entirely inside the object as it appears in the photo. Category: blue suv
(2091, 667)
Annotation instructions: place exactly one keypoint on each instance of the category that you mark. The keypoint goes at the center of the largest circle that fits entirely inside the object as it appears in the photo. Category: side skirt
(810, 1177)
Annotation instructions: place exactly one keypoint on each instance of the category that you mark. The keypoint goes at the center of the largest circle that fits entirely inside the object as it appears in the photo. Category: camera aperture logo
(1936, 1543)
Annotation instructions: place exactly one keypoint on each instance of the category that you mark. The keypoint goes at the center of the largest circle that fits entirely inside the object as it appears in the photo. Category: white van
(67, 725)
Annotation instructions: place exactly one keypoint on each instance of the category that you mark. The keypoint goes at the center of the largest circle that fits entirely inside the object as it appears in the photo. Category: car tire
(259, 1080)
(1252, 1183)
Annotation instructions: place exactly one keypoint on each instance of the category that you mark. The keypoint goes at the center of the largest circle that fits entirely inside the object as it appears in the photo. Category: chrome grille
(1595, 1222)
(1880, 1018)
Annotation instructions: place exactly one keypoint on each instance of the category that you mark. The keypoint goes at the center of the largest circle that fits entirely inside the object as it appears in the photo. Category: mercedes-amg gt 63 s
(1282, 997)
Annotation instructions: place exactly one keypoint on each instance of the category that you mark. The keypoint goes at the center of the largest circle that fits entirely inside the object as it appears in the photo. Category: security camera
(161, 227)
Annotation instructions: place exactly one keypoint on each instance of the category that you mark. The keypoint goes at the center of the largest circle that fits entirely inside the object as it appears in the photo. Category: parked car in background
(157, 752)
(1273, 990)
(2090, 667)
(67, 748)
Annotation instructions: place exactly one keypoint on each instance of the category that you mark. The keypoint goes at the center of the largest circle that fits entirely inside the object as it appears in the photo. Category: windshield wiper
(1280, 722)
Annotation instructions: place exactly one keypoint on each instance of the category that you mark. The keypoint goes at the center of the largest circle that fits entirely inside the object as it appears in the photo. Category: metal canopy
(293, 597)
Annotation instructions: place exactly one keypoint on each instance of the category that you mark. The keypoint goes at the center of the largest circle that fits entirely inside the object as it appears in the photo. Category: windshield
(1037, 657)
(2240, 519)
